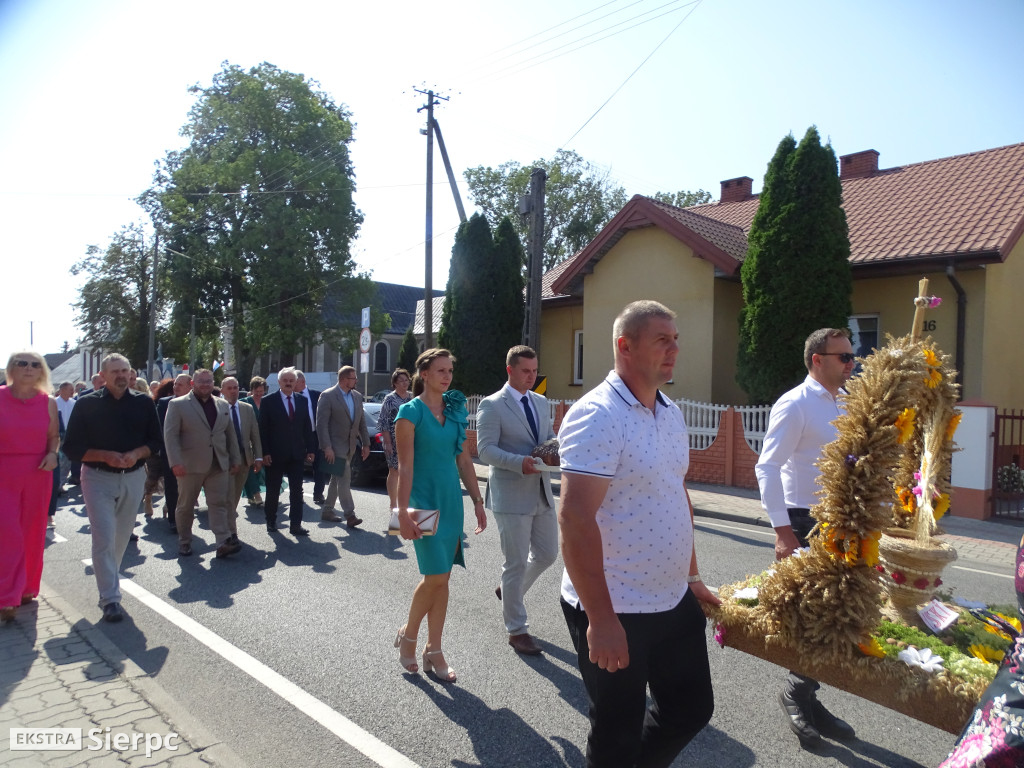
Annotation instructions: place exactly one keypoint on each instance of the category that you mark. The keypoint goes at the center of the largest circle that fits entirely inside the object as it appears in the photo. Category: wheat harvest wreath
(836, 611)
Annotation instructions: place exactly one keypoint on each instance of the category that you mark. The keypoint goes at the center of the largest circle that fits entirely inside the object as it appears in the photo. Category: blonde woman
(29, 441)
(429, 431)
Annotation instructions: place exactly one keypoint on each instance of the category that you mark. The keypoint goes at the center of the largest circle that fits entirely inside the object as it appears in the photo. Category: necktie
(529, 417)
(238, 428)
(291, 409)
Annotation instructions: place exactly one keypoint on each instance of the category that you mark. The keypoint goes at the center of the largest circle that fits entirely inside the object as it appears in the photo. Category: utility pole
(532, 208)
(192, 346)
(428, 280)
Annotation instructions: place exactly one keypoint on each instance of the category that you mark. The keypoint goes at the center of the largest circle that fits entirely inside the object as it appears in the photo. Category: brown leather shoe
(331, 518)
(352, 521)
(525, 644)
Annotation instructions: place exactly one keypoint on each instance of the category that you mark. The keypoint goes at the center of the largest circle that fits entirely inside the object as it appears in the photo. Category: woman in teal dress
(429, 431)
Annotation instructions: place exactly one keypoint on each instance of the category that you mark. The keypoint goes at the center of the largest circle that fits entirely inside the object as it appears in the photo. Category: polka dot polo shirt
(646, 531)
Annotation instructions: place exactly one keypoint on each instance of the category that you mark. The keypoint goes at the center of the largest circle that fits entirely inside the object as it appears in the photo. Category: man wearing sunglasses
(801, 423)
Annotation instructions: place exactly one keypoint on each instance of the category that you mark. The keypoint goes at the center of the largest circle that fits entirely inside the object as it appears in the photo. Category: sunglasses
(844, 357)
(27, 363)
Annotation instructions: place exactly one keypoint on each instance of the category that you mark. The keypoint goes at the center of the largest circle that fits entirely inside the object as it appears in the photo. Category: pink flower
(720, 635)
(934, 302)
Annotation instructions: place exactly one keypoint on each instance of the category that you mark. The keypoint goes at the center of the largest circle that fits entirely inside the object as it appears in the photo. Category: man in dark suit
(287, 437)
(312, 398)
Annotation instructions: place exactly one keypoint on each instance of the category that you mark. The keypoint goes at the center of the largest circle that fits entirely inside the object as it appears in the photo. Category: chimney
(858, 164)
(735, 190)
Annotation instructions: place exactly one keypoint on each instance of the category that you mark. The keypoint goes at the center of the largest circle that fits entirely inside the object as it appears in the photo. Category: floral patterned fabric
(994, 737)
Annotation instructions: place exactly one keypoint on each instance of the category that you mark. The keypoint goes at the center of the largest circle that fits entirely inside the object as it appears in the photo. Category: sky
(664, 94)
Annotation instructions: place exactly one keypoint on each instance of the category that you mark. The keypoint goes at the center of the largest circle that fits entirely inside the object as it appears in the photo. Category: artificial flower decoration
(921, 583)
(720, 634)
(954, 422)
(985, 653)
(906, 499)
(938, 582)
(871, 647)
(931, 358)
(933, 302)
(941, 505)
(923, 658)
(1013, 620)
(934, 379)
(905, 424)
(869, 548)
(898, 577)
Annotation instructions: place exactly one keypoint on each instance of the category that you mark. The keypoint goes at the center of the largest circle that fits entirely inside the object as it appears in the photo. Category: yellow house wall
(728, 302)
(558, 326)
(892, 299)
(650, 264)
(1002, 352)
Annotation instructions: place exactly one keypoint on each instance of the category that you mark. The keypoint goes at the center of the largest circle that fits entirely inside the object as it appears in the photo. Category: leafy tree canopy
(683, 198)
(796, 276)
(483, 304)
(409, 352)
(259, 213)
(114, 304)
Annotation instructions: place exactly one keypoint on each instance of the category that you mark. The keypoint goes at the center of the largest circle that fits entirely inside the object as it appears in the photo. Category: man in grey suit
(509, 425)
(250, 447)
(340, 422)
(202, 451)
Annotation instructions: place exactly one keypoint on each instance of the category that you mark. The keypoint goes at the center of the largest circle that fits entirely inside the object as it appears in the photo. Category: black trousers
(320, 479)
(799, 687)
(170, 490)
(292, 469)
(668, 653)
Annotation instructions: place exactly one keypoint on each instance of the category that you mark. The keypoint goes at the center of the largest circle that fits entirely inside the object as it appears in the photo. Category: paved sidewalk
(57, 670)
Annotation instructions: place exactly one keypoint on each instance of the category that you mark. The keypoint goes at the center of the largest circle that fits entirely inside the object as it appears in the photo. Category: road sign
(364, 340)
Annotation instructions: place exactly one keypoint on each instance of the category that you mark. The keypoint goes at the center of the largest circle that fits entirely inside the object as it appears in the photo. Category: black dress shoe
(112, 612)
(800, 721)
(271, 528)
(134, 537)
(319, 500)
(184, 550)
(497, 592)
(829, 725)
(299, 532)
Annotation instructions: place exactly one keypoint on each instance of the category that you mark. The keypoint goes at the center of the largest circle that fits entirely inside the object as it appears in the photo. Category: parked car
(378, 396)
(376, 465)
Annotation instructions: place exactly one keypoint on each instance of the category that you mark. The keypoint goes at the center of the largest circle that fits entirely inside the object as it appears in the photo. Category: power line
(677, 26)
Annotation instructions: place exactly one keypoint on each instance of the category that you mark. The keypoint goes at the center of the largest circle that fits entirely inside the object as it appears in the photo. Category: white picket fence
(702, 420)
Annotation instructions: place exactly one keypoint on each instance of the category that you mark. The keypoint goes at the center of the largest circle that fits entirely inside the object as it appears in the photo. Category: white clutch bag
(425, 519)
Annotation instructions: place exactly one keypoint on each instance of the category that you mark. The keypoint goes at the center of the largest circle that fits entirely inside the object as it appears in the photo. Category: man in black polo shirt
(112, 431)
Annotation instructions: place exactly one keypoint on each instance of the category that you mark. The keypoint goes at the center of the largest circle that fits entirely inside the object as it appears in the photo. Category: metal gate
(1008, 469)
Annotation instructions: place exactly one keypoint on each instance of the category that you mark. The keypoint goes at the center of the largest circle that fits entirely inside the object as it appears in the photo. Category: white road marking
(987, 573)
(359, 739)
(749, 529)
(54, 536)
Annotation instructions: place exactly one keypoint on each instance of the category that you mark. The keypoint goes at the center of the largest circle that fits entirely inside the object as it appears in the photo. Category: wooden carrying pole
(920, 305)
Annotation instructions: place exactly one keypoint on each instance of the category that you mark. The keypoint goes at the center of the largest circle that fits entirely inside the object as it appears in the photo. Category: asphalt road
(295, 647)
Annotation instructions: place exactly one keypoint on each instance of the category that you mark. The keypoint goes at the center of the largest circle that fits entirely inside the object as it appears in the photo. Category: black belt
(115, 470)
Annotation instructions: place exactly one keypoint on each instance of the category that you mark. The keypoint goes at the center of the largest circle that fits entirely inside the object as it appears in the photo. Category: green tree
(115, 302)
(259, 211)
(796, 276)
(683, 198)
(409, 351)
(579, 200)
(483, 304)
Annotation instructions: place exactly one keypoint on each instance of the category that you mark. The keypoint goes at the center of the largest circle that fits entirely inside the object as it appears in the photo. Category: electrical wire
(638, 67)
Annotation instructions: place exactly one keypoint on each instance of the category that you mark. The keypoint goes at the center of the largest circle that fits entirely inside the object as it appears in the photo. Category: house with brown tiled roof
(958, 221)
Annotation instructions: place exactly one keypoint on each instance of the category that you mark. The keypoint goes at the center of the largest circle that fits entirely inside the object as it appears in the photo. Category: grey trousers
(112, 502)
(530, 545)
(340, 490)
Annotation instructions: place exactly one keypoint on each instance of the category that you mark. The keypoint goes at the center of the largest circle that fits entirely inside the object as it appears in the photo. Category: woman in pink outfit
(29, 440)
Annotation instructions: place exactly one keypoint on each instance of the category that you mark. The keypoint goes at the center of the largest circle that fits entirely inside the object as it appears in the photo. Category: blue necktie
(529, 417)
(238, 429)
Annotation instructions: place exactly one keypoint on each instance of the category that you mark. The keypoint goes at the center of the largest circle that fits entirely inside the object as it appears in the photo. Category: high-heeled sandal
(408, 662)
(445, 674)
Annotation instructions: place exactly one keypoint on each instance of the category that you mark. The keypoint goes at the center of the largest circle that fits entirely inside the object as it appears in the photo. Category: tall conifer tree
(796, 276)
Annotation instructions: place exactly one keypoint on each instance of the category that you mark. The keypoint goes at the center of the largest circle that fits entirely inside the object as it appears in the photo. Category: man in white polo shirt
(800, 425)
(631, 588)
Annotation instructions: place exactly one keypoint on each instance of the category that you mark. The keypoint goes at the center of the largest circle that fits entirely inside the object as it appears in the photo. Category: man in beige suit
(201, 452)
(247, 433)
(340, 422)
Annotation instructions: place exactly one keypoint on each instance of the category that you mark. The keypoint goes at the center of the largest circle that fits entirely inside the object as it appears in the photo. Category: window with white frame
(577, 358)
(864, 334)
